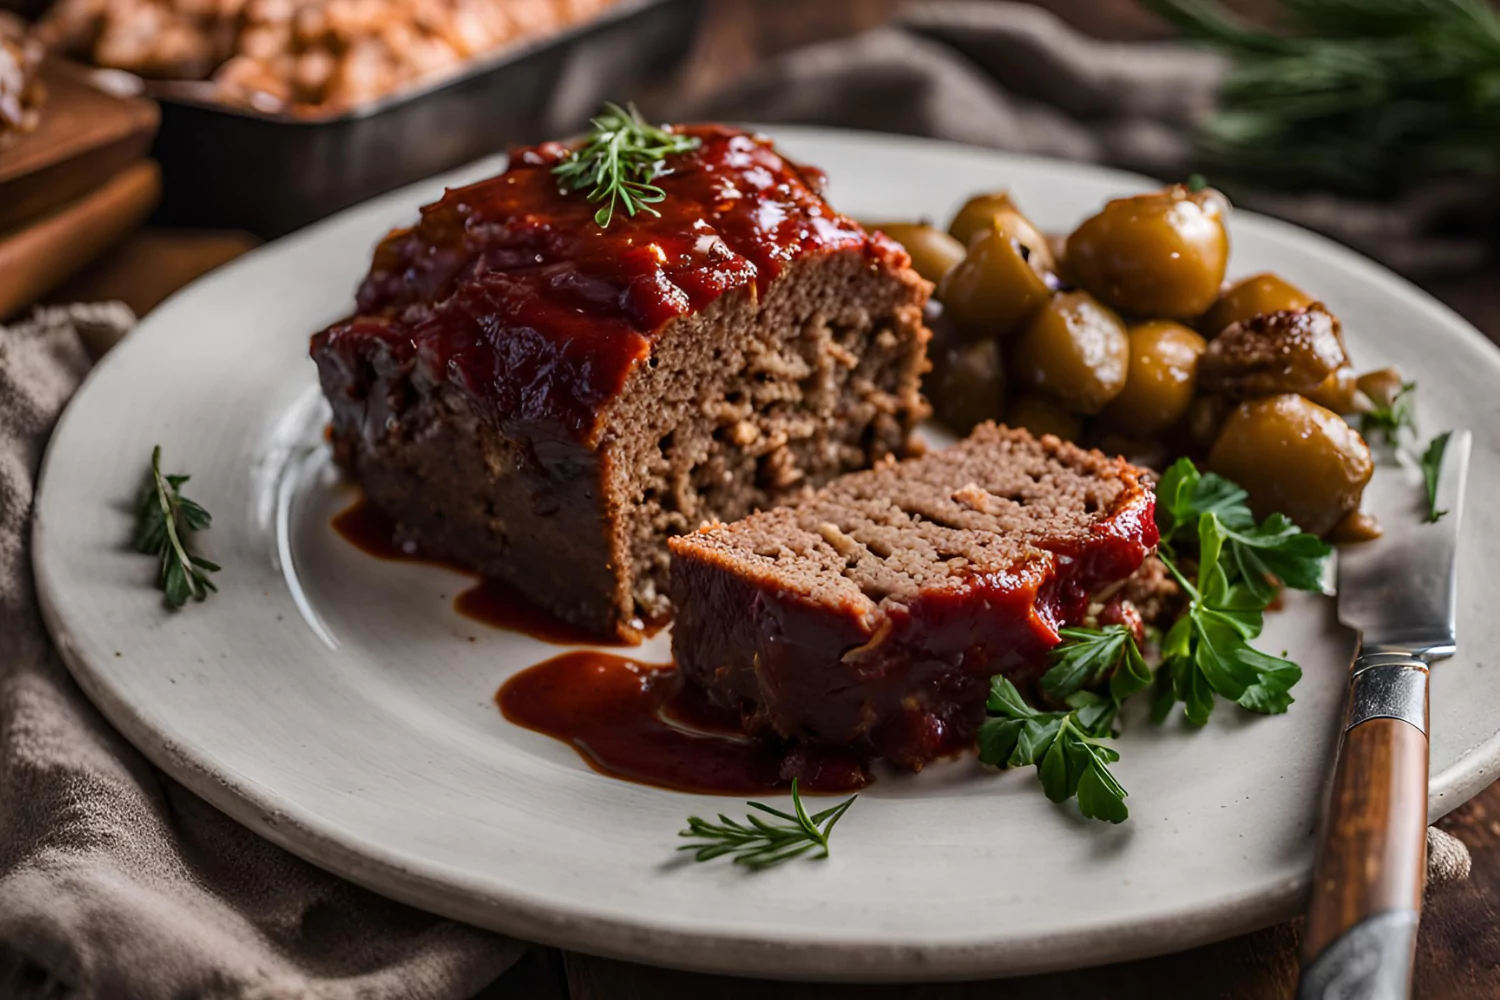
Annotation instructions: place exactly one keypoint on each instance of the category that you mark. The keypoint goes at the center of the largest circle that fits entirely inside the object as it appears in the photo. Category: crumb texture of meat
(310, 57)
(874, 611)
(21, 89)
(547, 401)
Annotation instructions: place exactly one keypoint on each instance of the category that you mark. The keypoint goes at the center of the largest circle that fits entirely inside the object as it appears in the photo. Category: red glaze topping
(490, 602)
(640, 722)
(509, 290)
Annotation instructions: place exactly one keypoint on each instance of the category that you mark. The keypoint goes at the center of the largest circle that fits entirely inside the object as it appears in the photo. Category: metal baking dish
(229, 167)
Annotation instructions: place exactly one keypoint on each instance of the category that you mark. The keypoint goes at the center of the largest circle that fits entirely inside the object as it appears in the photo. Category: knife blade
(1400, 594)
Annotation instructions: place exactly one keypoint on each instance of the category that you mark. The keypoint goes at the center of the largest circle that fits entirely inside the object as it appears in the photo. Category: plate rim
(257, 807)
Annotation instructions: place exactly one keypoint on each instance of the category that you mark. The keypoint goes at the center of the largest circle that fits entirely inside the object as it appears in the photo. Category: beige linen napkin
(1016, 77)
(114, 881)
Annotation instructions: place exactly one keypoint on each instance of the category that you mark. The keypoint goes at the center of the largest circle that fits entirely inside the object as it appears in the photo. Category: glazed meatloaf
(874, 611)
(546, 401)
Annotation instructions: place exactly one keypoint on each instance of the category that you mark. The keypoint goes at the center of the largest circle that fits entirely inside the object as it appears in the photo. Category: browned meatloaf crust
(874, 611)
(547, 401)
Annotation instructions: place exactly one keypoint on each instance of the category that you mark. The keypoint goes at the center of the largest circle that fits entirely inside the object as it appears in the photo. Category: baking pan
(269, 174)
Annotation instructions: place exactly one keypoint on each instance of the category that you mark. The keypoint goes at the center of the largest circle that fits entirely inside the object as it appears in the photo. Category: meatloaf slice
(546, 401)
(875, 610)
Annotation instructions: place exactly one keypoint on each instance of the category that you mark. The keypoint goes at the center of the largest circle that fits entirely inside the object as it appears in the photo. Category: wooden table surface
(1459, 950)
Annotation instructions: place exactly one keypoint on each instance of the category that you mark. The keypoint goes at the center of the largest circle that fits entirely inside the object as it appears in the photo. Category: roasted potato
(933, 252)
(997, 211)
(1158, 255)
(1292, 350)
(1249, 297)
(1161, 379)
(1293, 457)
(967, 383)
(994, 288)
(1074, 349)
(1043, 414)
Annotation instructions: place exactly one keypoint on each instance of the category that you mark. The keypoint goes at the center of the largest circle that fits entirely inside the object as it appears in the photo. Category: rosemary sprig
(757, 843)
(164, 521)
(619, 160)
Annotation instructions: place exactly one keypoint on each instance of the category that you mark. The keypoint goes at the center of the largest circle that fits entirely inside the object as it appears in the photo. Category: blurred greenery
(1361, 97)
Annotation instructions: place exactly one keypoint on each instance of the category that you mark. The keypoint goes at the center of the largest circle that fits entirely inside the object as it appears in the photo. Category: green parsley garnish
(1432, 465)
(1087, 655)
(757, 843)
(1064, 747)
(619, 160)
(1207, 651)
(1390, 422)
(165, 519)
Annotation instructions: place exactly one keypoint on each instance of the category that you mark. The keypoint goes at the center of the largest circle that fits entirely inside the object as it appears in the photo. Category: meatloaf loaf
(546, 401)
(874, 611)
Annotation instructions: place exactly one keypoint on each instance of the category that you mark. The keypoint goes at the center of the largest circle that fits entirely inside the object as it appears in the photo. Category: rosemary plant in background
(618, 161)
(1364, 97)
(165, 521)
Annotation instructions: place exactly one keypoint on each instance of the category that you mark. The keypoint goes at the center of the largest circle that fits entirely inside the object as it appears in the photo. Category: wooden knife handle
(1361, 931)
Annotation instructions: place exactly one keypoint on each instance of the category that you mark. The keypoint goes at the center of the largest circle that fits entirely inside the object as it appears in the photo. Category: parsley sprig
(1064, 746)
(1207, 652)
(1396, 424)
(619, 160)
(165, 520)
(758, 843)
(1393, 421)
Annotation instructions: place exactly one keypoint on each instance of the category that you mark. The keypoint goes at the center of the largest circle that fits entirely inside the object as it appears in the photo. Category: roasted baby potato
(987, 211)
(1340, 393)
(994, 288)
(933, 252)
(1294, 457)
(967, 384)
(1074, 349)
(1259, 293)
(1043, 414)
(1161, 379)
(1292, 350)
(1158, 255)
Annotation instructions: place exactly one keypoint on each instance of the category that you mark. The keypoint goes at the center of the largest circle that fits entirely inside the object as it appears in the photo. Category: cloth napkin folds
(115, 882)
(1017, 77)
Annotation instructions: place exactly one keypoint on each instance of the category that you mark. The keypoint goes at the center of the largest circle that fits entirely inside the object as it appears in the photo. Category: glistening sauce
(640, 722)
(487, 601)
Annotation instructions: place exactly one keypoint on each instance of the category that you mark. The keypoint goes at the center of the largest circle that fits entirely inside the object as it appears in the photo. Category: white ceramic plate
(336, 704)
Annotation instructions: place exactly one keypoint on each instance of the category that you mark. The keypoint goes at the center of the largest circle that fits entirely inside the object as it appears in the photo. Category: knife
(1398, 593)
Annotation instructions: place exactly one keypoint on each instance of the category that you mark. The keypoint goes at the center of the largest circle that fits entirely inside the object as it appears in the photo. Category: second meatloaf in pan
(546, 401)
(873, 612)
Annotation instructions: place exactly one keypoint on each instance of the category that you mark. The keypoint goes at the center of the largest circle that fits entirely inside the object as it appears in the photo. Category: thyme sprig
(619, 160)
(165, 519)
(759, 843)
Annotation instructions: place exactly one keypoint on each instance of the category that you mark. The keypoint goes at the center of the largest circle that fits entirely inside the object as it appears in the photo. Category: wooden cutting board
(85, 136)
(39, 256)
